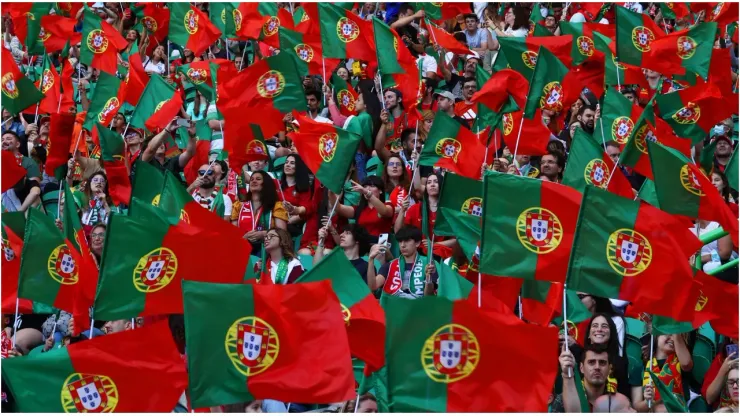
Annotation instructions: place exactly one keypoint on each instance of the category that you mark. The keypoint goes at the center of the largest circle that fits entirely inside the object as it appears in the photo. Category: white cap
(473, 55)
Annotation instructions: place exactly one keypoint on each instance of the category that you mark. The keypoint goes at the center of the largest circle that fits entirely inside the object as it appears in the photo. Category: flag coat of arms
(100, 43)
(13, 230)
(589, 164)
(528, 237)
(102, 375)
(452, 146)
(245, 339)
(438, 351)
(18, 92)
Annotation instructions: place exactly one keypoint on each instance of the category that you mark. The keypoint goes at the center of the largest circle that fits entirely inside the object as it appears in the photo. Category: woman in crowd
(97, 239)
(317, 218)
(602, 330)
(283, 266)
(515, 24)
(261, 211)
(715, 389)
(396, 182)
(671, 360)
(157, 63)
(373, 212)
(97, 203)
(196, 110)
(296, 193)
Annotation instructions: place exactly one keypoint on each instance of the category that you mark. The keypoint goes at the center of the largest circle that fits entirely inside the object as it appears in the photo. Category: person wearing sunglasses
(208, 195)
(283, 266)
(714, 390)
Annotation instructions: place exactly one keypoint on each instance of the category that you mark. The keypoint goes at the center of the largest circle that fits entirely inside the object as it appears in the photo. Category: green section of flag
(731, 171)
(147, 185)
(647, 193)
(675, 184)
(37, 382)
(388, 51)
(585, 162)
(615, 123)
(289, 41)
(104, 100)
(452, 286)
(346, 282)
(42, 272)
(461, 201)
(548, 73)
(156, 93)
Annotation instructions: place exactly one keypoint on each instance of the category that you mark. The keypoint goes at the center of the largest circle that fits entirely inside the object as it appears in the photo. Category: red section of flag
(12, 172)
(59, 141)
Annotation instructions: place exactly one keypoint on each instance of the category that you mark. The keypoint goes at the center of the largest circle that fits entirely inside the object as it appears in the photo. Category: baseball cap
(723, 137)
(44, 119)
(445, 93)
(473, 55)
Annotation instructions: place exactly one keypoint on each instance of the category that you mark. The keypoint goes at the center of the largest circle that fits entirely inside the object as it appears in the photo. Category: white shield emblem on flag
(88, 394)
(629, 251)
(554, 97)
(598, 174)
(450, 352)
(347, 29)
(155, 269)
(540, 228)
(67, 265)
(252, 345)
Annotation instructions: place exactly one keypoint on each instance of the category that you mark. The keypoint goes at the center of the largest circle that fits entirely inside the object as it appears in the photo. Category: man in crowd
(551, 167)
(467, 109)
(25, 193)
(722, 152)
(586, 117)
(207, 194)
(411, 276)
(595, 369)
(455, 81)
(155, 151)
(446, 104)
(354, 241)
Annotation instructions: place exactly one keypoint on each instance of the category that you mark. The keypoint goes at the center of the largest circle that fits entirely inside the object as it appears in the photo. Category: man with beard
(467, 109)
(455, 81)
(446, 104)
(551, 167)
(393, 122)
(210, 196)
(722, 152)
(595, 369)
(586, 116)
(26, 191)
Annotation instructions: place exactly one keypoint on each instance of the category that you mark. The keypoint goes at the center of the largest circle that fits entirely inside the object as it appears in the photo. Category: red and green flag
(390, 61)
(717, 304)
(504, 92)
(363, 316)
(59, 141)
(345, 35)
(19, 92)
(190, 28)
(164, 112)
(105, 374)
(649, 128)
(528, 237)
(202, 75)
(524, 135)
(156, 21)
(693, 112)
(442, 11)
(146, 258)
(346, 96)
(445, 40)
(584, 46)
(260, 95)
(627, 250)
(434, 363)
(459, 211)
(451, 146)
(224, 16)
(49, 84)
(683, 189)
(156, 95)
(113, 150)
(107, 99)
(635, 35)
(617, 74)
(13, 231)
(48, 271)
(328, 151)
(724, 13)
(176, 202)
(452, 285)
(262, 21)
(147, 186)
(100, 43)
(522, 54)
(675, 10)
(292, 336)
(589, 164)
(136, 78)
(12, 171)
(543, 301)
(551, 87)
(57, 32)
(688, 50)
(618, 118)
(26, 18)
(306, 49)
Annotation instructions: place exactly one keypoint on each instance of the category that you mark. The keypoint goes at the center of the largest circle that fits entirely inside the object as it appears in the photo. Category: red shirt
(299, 199)
(398, 194)
(373, 222)
(311, 231)
(413, 217)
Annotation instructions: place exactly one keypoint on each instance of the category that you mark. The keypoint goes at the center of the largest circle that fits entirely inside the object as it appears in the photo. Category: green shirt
(31, 167)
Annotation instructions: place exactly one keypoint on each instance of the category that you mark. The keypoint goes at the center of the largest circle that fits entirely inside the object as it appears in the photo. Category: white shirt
(292, 264)
(428, 64)
(227, 202)
(152, 67)
(519, 33)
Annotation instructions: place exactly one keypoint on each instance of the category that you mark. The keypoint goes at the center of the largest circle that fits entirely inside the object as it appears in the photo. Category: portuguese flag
(528, 237)
(12, 172)
(327, 150)
(19, 92)
(434, 363)
(618, 118)
(107, 99)
(445, 40)
(262, 21)
(136, 77)
(112, 149)
(588, 164)
(61, 126)
(363, 316)
(306, 49)
(635, 35)
(627, 250)
(148, 182)
(226, 17)
(648, 128)
(58, 32)
(49, 84)
(460, 209)
(686, 50)
(677, 10)
(344, 34)
(26, 19)
(261, 94)
(13, 232)
(48, 271)
(452, 286)
(346, 97)
(292, 336)
(156, 94)
(693, 112)
(146, 257)
(617, 74)
(522, 53)
(451, 146)
(176, 202)
(190, 28)
(104, 374)
(684, 190)
(156, 21)
(542, 301)
(532, 134)
(203, 73)
(584, 46)
(718, 304)
(164, 112)
(389, 62)
(442, 11)
(503, 92)
(100, 43)
(551, 87)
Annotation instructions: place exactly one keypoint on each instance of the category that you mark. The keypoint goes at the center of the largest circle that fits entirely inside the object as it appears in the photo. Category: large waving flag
(190, 28)
(453, 147)
(344, 34)
(100, 43)
(19, 92)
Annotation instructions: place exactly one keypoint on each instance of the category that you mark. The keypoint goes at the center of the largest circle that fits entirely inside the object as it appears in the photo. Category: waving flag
(19, 92)
(100, 43)
(190, 28)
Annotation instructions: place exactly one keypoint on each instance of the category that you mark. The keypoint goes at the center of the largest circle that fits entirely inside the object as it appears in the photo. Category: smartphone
(383, 240)
(732, 348)
(183, 122)
(645, 340)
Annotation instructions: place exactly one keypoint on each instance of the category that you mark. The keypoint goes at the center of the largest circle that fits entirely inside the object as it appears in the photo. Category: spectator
(613, 403)
(551, 167)
(515, 24)
(260, 212)
(467, 109)
(671, 359)
(120, 325)
(603, 331)
(413, 216)
(396, 182)
(722, 152)
(714, 390)
(393, 121)
(373, 212)
(313, 99)
(283, 266)
(25, 193)
(411, 276)
(208, 195)
(719, 180)
(97, 240)
(97, 203)
(595, 368)
(155, 151)
(477, 38)
(446, 104)
(157, 64)
(455, 81)
(296, 193)
(354, 240)
(196, 109)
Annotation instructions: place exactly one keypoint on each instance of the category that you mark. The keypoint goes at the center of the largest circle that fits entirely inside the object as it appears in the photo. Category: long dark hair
(268, 195)
(88, 187)
(403, 181)
(521, 19)
(369, 181)
(302, 174)
(440, 178)
(725, 184)
(613, 345)
(196, 103)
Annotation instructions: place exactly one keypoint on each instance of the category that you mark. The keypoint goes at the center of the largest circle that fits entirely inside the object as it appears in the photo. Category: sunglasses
(203, 172)
(394, 164)
(99, 236)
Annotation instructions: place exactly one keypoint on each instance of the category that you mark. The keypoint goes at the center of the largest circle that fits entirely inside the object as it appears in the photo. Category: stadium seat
(704, 351)
(374, 167)
(306, 261)
(50, 201)
(277, 167)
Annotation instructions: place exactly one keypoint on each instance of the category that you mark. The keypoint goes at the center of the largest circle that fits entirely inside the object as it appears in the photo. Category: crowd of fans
(282, 209)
